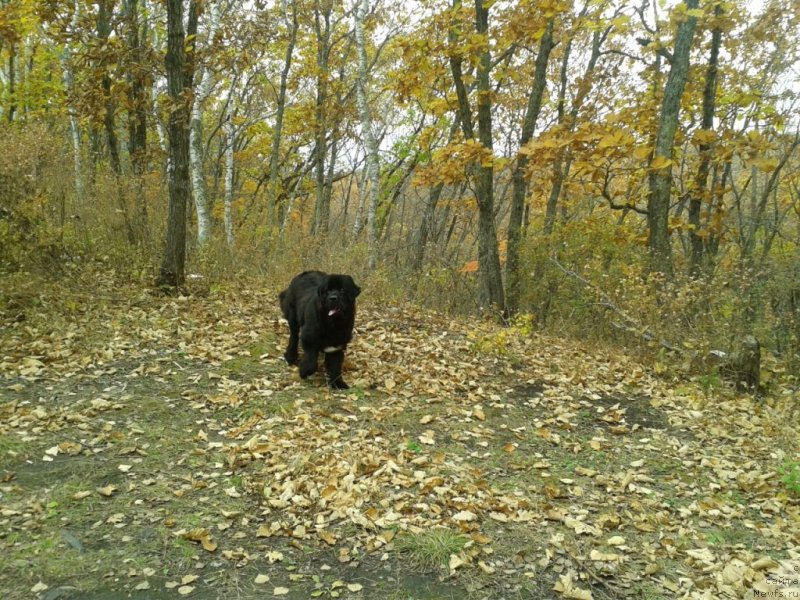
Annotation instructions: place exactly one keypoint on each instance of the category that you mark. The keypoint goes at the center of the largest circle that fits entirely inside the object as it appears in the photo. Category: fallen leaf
(107, 490)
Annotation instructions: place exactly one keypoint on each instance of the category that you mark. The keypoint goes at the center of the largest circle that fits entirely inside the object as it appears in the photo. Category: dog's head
(337, 295)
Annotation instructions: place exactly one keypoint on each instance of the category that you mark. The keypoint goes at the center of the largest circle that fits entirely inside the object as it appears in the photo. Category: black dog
(321, 310)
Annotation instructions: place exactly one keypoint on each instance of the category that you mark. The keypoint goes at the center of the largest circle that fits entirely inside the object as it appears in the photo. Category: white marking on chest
(329, 349)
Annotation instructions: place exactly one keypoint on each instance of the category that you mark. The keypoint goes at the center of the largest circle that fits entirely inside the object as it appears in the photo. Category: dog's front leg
(333, 367)
(308, 365)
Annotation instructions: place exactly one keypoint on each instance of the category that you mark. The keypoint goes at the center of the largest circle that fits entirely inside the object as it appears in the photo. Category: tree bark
(519, 188)
(230, 140)
(196, 152)
(322, 16)
(427, 222)
(12, 82)
(370, 142)
(137, 77)
(490, 286)
(699, 188)
(105, 8)
(491, 283)
(562, 164)
(274, 159)
(179, 83)
(660, 180)
(74, 125)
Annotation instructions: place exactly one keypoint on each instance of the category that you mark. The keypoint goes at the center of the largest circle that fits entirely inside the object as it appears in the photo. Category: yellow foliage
(660, 162)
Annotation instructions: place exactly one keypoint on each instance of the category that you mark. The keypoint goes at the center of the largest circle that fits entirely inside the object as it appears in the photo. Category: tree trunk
(322, 16)
(228, 186)
(179, 83)
(370, 142)
(660, 180)
(196, 152)
(490, 289)
(137, 77)
(427, 222)
(699, 188)
(105, 9)
(491, 283)
(74, 125)
(12, 82)
(562, 164)
(274, 159)
(519, 188)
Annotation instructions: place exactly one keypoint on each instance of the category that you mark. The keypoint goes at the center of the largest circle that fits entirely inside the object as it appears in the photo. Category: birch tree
(74, 126)
(196, 152)
(370, 142)
(230, 143)
(322, 27)
(274, 159)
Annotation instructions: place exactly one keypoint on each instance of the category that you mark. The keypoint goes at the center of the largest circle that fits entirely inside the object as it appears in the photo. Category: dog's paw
(306, 370)
(290, 358)
(339, 384)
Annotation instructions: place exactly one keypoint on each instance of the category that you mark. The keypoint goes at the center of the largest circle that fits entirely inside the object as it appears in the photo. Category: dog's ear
(351, 286)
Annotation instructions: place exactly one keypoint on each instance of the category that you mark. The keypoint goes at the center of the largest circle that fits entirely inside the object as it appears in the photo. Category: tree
(370, 141)
(274, 157)
(322, 27)
(137, 88)
(491, 292)
(179, 69)
(660, 178)
(698, 190)
(519, 181)
(196, 141)
(105, 10)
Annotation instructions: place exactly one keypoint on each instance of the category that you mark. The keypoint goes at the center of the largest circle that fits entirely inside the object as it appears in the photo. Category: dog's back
(299, 286)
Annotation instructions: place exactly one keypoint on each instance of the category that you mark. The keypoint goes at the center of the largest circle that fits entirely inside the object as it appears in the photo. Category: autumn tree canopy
(489, 147)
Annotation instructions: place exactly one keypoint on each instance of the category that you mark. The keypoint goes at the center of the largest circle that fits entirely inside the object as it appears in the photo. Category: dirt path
(159, 448)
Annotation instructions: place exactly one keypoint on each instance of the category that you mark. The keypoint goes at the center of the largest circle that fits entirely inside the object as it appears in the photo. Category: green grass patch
(430, 550)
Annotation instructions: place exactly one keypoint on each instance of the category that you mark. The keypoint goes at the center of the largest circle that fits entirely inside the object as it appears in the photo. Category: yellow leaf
(107, 490)
(704, 136)
(327, 536)
(608, 141)
(455, 562)
(765, 164)
(660, 162)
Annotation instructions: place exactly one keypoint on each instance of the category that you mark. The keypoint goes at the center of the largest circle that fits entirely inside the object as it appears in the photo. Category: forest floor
(158, 447)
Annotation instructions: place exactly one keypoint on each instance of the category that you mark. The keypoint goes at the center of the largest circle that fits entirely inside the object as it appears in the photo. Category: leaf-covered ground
(158, 447)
